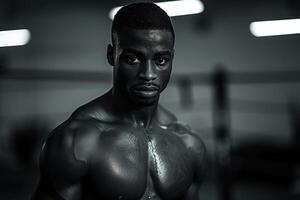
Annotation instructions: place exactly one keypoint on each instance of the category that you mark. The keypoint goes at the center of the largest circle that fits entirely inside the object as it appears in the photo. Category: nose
(147, 72)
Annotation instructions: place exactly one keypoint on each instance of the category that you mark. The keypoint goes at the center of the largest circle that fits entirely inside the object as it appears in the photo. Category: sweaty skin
(96, 155)
(124, 145)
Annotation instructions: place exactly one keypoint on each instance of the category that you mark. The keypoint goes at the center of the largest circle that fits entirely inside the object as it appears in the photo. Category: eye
(132, 60)
(161, 60)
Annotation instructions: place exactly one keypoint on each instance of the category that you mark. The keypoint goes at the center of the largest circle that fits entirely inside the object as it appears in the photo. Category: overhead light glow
(275, 27)
(14, 37)
(173, 8)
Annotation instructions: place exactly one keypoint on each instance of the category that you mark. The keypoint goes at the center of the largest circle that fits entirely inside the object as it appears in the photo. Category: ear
(110, 55)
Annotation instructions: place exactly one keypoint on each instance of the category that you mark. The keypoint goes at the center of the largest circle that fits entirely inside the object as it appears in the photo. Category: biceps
(201, 163)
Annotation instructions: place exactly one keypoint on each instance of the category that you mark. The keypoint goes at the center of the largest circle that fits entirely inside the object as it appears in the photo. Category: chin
(144, 101)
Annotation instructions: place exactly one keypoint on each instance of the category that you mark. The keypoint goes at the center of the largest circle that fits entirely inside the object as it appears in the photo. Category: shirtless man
(124, 145)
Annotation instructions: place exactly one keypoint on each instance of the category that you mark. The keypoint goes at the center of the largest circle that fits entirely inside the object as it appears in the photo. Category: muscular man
(124, 145)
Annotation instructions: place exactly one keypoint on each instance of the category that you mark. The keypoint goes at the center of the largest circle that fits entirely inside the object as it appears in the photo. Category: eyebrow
(167, 52)
(131, 50)
(137, 52)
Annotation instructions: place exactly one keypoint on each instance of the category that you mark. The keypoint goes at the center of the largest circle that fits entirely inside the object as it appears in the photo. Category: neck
(139, 115)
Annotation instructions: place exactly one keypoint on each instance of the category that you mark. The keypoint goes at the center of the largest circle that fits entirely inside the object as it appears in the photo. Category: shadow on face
(143, 64)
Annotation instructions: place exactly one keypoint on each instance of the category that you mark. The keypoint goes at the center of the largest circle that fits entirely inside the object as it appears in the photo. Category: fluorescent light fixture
(275, 27)
(173, 8)
(14, 37)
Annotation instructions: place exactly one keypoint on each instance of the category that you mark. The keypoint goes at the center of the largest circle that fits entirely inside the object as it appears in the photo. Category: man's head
(141, 52)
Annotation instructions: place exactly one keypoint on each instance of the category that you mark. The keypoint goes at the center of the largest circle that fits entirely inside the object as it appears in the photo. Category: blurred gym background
(239, 89)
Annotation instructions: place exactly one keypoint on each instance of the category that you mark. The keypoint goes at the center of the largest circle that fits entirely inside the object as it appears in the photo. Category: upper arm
(196, 146)
(199, 150)
(61, 168)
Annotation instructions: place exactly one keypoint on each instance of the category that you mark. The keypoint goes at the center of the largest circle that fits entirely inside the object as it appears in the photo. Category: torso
(136, 163)
(124, 161)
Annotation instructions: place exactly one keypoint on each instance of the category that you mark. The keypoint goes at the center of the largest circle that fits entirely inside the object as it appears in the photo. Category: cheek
(164, 77)
(127, 75)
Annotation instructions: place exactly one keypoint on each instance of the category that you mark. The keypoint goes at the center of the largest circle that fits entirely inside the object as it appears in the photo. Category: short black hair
(143, 15)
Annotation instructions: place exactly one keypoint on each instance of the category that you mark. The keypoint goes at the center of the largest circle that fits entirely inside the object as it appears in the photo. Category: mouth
(146, 91)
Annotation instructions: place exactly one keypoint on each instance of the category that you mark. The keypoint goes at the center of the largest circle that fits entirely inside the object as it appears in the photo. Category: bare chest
(128, 160)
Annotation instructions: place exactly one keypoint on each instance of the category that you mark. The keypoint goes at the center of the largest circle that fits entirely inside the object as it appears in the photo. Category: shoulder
(99, 109)
(65, 153)
(165, 117)
(190, 138)
(194, 144)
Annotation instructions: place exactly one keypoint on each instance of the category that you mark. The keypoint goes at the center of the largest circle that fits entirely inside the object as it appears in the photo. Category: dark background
(239, 92)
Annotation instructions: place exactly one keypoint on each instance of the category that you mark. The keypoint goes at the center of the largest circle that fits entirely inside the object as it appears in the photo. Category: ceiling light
(275, 27)
(14, 37)
(173, 8)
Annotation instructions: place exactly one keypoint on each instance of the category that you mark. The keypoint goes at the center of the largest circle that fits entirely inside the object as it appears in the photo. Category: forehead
(153, 38)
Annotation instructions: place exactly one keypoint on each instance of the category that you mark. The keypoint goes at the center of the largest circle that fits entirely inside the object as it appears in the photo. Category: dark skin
(124, 145)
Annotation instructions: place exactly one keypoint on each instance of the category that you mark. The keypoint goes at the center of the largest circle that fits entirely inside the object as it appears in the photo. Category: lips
(146, 91)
